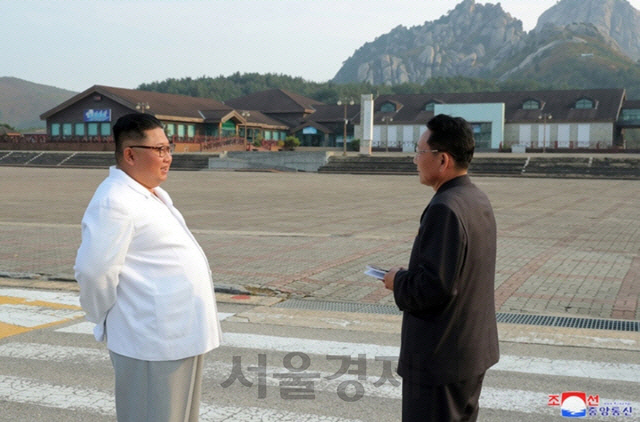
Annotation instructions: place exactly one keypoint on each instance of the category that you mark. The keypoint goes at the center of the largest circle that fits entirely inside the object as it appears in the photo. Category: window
(430, 106)
(169, 129)
(55, 129)
(531, 105)
(181, 131)
(79, 129)
(105, 129)
(584, 103)
(228, 128)
(67, 129)
(388, 108)
(92, 129)
(627, 115)
(482, 134)
(191, 131)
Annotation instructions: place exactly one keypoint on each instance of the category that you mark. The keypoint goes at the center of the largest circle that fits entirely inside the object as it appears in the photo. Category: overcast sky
(74, 44)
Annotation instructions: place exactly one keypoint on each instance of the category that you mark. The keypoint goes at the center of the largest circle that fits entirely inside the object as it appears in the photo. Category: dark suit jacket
(449, 331)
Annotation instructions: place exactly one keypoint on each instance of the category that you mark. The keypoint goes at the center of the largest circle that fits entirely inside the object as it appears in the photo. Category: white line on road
(316, 347)
(29, 391)
(34, 316)
(523, 364)
(62, 298)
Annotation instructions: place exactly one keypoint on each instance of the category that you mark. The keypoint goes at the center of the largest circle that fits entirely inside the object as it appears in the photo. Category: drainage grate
(569, 322)
(502, 317)
(319, 305)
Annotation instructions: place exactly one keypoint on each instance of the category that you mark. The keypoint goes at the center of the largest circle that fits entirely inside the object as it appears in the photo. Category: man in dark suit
(449, 330)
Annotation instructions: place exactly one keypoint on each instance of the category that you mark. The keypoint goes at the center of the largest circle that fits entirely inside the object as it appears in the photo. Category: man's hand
(390, 276)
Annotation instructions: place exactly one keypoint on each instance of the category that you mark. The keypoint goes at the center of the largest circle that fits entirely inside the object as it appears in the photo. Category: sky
(75, 44)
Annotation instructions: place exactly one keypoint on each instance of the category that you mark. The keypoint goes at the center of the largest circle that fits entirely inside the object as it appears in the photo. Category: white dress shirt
(144, 279)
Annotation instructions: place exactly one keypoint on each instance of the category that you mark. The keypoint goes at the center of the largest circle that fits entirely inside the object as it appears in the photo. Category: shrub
(291, 142)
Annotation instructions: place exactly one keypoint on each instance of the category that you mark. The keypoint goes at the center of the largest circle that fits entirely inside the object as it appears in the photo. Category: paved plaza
(565, 246)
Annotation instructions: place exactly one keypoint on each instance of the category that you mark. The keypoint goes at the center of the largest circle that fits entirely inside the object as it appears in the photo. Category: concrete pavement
(566, 246)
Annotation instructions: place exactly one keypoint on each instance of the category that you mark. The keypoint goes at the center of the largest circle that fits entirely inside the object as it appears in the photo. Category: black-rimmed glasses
(162, 150)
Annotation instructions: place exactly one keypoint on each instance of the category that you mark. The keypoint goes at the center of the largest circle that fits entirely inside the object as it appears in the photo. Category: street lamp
(387, 120)
(544, 117)
(346, 101)
(143, 107)
(245, 114)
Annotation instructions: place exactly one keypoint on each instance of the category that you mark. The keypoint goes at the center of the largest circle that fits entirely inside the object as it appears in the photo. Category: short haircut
(132, 127)
(453, 135)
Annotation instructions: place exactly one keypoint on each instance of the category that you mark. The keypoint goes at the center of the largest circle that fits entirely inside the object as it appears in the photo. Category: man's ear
(445, 161)
(128, 156)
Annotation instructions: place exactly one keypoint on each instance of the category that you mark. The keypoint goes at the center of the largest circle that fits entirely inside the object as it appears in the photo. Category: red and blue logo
(574, 404)
(577, 404)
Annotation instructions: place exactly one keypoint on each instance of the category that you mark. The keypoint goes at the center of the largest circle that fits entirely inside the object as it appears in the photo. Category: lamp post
(143, 107)
(544, 117)
(387, 120)
(346, 101)
(245, 114)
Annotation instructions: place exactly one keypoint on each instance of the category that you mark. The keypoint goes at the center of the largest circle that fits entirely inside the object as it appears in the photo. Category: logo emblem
(573, 404)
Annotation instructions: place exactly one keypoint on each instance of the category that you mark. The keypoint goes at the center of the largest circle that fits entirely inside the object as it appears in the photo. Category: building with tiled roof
(90, 113)
(588, 119)
(326, 126)
(556, 119)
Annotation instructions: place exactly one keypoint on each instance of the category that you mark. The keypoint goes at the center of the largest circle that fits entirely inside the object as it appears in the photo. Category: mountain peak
(616, 19)
(469, 40)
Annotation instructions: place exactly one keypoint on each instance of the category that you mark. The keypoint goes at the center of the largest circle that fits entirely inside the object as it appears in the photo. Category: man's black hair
(132, 127)
(453, 135)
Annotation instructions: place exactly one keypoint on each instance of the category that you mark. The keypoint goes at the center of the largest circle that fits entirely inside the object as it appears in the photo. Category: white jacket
(143, 277)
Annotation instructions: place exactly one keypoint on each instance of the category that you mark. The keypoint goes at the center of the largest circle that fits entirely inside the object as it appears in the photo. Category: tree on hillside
(223, 88)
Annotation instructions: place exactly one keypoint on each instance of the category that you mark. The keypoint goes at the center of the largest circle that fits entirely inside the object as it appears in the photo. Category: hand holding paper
(375, 271)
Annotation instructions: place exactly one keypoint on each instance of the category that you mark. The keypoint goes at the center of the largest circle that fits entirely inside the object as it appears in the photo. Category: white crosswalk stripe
(29, 391)
(32, 391)
(494, 398)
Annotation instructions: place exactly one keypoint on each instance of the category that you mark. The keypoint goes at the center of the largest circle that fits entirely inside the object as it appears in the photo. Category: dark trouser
(441, 403)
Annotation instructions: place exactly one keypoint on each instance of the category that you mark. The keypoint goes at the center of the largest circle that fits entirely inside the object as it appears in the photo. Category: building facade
(535, 120)
(556, 119)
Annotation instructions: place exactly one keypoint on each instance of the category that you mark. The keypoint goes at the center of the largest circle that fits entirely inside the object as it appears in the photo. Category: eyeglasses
(162, 151)
(422, 151)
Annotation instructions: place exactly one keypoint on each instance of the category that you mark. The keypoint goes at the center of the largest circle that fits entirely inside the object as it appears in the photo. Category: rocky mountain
(470, 41)
(615, 18)
(22, 102)
(483, 41)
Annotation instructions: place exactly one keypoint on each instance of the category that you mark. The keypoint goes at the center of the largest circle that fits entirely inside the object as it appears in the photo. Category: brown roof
(333, 113)
(166, 105)
(8, 132)
(559, 103)
(275, 101)
(257, 118)
(632, 104)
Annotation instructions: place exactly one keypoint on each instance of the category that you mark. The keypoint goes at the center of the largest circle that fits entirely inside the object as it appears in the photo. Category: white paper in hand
(376, 272)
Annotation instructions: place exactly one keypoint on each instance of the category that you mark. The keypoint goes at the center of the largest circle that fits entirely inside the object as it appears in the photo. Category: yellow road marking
(7, 329)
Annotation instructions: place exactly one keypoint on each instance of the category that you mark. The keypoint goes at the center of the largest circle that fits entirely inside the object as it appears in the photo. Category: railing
(105, 143)
(211, 143)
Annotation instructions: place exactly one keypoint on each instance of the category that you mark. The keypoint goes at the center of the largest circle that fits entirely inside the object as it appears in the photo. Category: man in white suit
(145, 281)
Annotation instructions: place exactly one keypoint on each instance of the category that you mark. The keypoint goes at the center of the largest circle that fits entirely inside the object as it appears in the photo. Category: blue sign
(309, 130)
(92, 115)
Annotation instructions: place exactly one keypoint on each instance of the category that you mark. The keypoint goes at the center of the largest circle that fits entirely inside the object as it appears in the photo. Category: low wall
(57, 146)
(282, 160)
